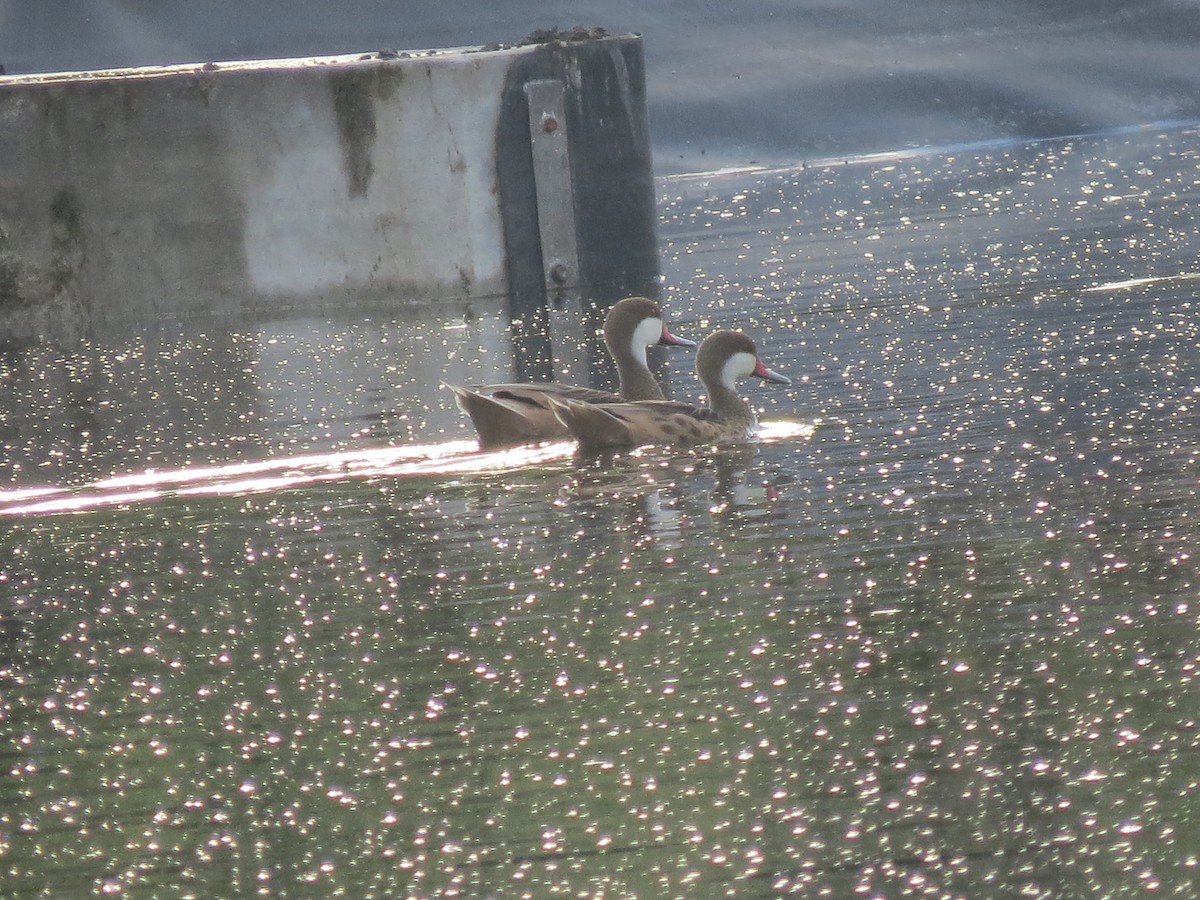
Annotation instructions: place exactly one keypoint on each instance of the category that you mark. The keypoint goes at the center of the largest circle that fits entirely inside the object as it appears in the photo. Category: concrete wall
(316, 186)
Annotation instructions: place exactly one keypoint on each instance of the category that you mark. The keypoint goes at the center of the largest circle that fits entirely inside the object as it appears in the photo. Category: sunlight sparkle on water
(449, 458)
(944, 648)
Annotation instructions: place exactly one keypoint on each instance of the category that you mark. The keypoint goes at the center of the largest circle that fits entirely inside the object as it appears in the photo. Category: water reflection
(224, 392)
(942, 643)
(405, 461)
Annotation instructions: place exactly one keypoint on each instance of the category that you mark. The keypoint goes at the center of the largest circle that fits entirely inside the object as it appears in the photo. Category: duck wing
(508, 419)
(537, 394)
(647, 422)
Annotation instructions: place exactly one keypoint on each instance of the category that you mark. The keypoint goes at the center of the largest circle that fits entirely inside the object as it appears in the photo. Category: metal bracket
(549, 142)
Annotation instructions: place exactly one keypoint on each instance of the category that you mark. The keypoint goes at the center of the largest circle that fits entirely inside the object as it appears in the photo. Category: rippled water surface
(272, 626)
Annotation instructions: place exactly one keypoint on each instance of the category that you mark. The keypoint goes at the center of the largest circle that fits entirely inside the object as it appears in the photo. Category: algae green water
(935, 635)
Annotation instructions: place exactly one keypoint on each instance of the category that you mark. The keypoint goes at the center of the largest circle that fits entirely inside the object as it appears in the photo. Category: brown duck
(723, 357)
(509, 414)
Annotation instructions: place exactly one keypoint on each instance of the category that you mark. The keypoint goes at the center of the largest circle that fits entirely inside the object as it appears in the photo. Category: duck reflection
(650, 496)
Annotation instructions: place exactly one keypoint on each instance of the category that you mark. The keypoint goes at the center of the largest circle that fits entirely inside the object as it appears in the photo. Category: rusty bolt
(549, 123)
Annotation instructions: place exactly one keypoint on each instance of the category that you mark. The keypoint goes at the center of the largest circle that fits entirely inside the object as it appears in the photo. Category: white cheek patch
(647, 333)
(740, 365)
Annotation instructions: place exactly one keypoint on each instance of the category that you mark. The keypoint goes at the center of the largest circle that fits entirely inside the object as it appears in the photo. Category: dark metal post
(609, 201)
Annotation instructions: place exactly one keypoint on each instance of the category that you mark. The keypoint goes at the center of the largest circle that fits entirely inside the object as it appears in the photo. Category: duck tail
(497, 424)
(589, 424)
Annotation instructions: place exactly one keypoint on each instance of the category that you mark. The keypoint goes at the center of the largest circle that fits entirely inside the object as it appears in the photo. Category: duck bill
(671, 340)
(761, 371)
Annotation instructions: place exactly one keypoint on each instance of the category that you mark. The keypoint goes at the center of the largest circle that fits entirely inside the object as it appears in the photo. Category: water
(726, 82)
(933, 636)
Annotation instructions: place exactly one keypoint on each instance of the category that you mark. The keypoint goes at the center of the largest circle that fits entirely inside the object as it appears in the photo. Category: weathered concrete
(306, 186)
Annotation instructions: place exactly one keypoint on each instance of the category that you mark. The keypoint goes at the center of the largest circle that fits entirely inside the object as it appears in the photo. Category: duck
(505, 415)
(724, 357)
